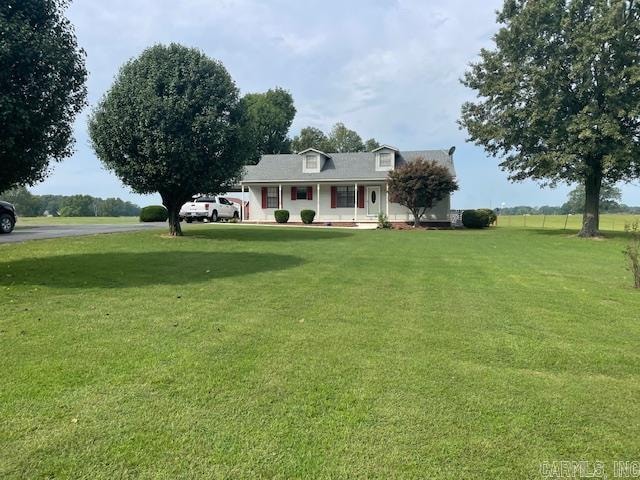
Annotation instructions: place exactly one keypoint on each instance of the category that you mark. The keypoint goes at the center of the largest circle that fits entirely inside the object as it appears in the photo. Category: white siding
(397, 213)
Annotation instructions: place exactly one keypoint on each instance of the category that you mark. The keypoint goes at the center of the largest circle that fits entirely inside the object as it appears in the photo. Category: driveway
(21, 234)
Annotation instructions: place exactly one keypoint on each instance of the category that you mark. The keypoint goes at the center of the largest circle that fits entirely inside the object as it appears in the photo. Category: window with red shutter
(334, 197)
(301, 193)
(264, 197)
(294, 193)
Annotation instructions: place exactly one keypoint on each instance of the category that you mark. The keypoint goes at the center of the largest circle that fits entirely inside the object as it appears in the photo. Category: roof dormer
(385, 158)
(312, 160)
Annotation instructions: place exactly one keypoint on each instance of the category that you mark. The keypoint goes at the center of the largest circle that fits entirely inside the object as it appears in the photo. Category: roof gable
(312, 150)
(385, 147)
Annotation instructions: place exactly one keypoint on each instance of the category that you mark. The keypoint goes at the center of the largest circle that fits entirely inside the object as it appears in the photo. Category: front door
(373, 201)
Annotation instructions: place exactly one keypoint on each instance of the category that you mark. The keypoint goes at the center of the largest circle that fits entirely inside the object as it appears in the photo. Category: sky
(388, 69)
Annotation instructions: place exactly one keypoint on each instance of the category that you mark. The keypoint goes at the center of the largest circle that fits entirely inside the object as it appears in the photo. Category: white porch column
(355, 205)
(242, 203)
(318, 203)
(280, 197)
(386, 186)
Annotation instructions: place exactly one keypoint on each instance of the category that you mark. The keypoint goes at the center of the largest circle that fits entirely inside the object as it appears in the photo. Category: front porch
(357, 202)
(335, 202)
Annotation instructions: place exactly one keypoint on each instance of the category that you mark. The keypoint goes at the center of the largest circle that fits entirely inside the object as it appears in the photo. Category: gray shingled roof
(340, 166)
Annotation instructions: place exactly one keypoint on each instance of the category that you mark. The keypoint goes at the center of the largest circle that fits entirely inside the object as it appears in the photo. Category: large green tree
(42, 88)
(310, 137)
(267, 118)
(371, 144)
(344, 140)
(559, 95)
(171, 124)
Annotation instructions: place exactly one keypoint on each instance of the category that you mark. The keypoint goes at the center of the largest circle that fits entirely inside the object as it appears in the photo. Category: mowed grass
(608, 222)
(256, 352)
(49, 221)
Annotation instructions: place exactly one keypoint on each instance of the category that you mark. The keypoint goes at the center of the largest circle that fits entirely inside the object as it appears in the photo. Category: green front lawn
(48, 221)
(255, 352)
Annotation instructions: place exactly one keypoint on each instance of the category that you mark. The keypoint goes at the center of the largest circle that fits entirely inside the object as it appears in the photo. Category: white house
(340, 187)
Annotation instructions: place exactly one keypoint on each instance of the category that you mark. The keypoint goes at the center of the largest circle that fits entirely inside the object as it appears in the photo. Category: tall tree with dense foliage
(267, 118)
(371, 144)
(42, 88)
(171, 124)
(340, 140)
(310, 137)
(559, 95)
(420, 185)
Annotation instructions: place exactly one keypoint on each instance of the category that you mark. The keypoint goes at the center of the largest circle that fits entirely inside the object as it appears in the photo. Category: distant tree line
(30, 205)
(610, 202)
(561, 210)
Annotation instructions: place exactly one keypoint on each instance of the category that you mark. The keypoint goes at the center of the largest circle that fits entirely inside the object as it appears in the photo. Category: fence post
(565, 221)
(525, 220)
(544, 219)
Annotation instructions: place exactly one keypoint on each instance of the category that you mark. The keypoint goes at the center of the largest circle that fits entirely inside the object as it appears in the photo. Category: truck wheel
(6, 223)
(235, 215)
(214, 216)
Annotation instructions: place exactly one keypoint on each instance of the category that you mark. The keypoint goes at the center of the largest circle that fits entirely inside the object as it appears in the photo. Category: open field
(608, 222)
(37, 221)
(257, 352)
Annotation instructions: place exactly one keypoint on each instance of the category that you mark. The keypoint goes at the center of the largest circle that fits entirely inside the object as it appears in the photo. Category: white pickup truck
(208, 209)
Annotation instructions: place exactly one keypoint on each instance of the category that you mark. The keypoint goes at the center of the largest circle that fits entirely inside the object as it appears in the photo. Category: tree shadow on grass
(574, 233)
(127, 269)
(265, 234)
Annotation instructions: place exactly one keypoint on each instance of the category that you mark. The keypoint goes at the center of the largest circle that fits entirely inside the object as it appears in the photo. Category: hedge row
(480, 218)
(154, 213)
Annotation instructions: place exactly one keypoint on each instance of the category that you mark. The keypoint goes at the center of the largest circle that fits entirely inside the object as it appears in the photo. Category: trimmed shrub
(491, 215)
(282, 216)
(154, 213)
(475, 219)
(307, 216)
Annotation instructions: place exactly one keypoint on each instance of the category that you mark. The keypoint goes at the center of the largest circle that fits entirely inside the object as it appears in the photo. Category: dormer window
(311, 162)
(386, 160)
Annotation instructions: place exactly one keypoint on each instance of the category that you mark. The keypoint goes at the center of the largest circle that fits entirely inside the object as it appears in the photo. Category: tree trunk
(416, 218)
(173, 208)
(591, 217)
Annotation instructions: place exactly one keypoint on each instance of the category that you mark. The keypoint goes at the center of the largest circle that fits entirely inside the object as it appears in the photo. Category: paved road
(21, 234)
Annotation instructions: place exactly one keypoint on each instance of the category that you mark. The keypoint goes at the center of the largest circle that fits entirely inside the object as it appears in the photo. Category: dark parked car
(7, 217)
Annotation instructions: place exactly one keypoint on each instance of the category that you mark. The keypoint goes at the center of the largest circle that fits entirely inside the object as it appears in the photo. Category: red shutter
(309, 193)
(360, 197)
(264, 197)
(334, 197)
(294, 193)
